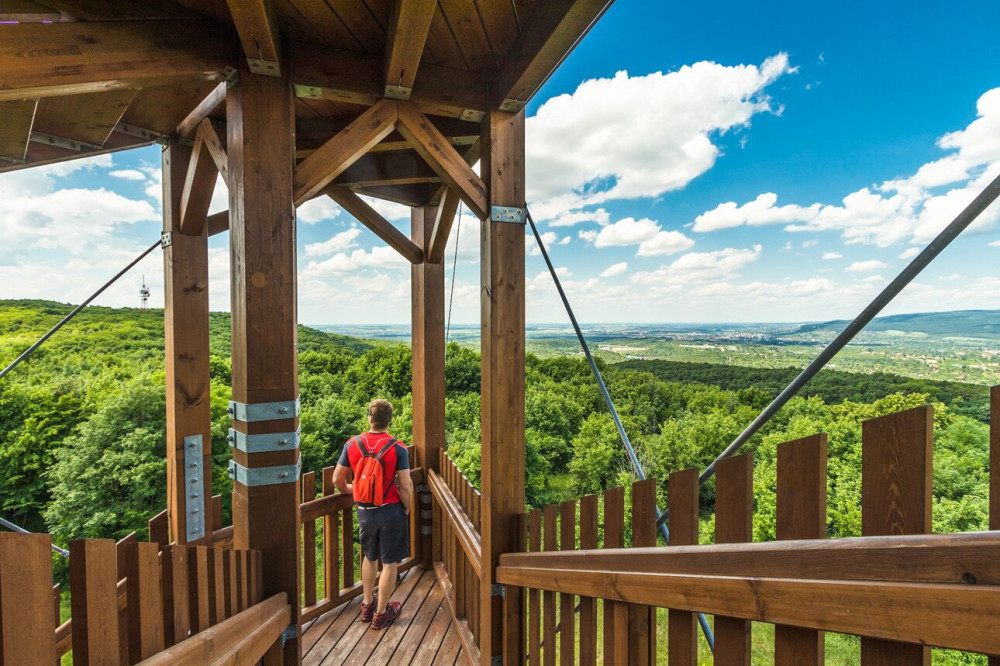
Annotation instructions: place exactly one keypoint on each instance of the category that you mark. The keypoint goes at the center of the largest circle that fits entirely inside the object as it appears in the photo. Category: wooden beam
(381, 227)
(40, 154)
(552, 31)
(409, 24)
(388, 168)
(340, 152)
(25, 11)
(199, 183)
(27, 633)
(502, 391)
(311, 133)
(46, 60)
(205, 108)
(733, 524)
(89, 118)
(339, 75)
(444, 159)
(258, 30)
(407, 195)
(260, 125)
(185, 320)
(443, 219)
(18, 119)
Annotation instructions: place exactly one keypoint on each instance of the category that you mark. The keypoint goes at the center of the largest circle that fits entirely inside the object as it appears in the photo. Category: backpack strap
(363, 450)
(385, 449)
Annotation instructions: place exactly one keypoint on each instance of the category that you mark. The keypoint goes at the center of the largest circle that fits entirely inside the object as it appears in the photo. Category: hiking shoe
(383, 620)
(368, 610)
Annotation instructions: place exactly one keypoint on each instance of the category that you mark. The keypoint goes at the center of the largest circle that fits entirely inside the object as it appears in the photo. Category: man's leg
(369, 573)
(386, 584)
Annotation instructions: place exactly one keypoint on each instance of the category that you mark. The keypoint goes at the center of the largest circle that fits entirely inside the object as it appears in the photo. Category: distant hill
(957, 323)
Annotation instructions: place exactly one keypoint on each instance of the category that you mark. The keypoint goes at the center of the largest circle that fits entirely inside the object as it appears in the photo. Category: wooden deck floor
(423, 633)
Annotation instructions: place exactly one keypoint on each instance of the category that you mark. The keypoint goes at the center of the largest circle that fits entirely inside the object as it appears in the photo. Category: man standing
(383, 493)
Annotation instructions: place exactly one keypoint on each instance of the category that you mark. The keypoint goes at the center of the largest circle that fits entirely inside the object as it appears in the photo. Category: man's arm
(340, 479)
(405, 484)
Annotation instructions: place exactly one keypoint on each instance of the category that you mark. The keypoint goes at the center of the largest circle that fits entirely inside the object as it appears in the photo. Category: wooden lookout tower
(289, 100)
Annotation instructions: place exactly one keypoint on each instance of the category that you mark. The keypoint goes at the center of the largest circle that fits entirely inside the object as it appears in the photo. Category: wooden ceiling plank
(441, 44)
(552, 31)
(15, 130)
(500, 24)
(258, 30)
(205, 108)
(323, 20)
(444, 159)
(25, 11)
(40, 154)
(396, 168)
(358, 78)
(334, 156)
(446, 211)
(46, 60)
(199, 184)
(463, 17)
(89, 118)
(407, 195)
(119, 10)
(362, 24)
(381, 227)
(409, 25)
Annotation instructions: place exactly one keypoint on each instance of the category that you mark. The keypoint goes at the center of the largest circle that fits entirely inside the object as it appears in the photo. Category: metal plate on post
(263, 411)
(194, 500)
(265, 476)
(511, 214)
(276, 441)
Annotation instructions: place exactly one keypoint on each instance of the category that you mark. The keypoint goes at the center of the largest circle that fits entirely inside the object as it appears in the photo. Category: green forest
(82, 439)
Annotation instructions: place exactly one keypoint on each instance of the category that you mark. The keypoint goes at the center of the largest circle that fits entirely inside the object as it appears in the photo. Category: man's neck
(373, 431)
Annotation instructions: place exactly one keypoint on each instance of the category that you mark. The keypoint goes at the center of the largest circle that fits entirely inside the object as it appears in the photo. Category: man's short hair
(380, 412)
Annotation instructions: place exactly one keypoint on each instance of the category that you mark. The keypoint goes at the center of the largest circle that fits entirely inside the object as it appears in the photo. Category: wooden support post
(896, 465)
(27, 632)
(994, 660)
(176, 610)
(682, 628)
(616, 639)
(427, 297)
(260, 129)
(733, 524)
(502, 401)
(185, 316)
(93, 579)
(145, 601)
(801, 514)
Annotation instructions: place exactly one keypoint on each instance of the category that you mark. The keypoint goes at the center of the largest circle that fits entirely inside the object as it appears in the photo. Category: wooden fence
(457, 547)
(898, 587)
(340, 556)
(131, 601)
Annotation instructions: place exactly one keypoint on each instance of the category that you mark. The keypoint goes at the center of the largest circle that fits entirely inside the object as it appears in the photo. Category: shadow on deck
(423, 634)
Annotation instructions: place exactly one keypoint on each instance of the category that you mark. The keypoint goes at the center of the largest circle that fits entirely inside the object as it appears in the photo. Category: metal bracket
(277, 441)
(512, 105)
(426, 513)
(398, 92)
(194, 502)
(62, 142)
(427, 529)
(264, 67)
(231, 76)
(141, 133)
(166, 239)
(514, 214)
(265, 476)
(472, 116)
(263, 411)
(498, 590)
(290, 633)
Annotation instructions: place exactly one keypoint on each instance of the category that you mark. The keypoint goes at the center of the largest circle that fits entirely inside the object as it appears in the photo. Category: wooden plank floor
(423, 633)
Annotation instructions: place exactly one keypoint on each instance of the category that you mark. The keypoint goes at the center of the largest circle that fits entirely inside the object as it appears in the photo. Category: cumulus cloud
(127, 174)
(646, 233)
(995, 244)
(664, 242)
(615, 269)
(909, 253)
(549, 238)
(827, 256)
(317, 210)
(866, 266)
(380, 257)
(337, 243)
(639, 136)
(700, 267)
(896, 210)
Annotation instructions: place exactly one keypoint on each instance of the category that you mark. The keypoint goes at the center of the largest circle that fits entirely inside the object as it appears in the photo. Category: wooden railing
(897, 587)
(457, 546)
(129, 600)
(340, 557)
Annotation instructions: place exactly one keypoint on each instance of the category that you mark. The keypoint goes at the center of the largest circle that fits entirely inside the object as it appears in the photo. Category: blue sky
(712, 161)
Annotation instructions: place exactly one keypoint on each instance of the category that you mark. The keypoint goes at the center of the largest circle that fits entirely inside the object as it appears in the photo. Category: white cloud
(810, 243)
(549, 239)
(645, 233)
(381, 257)
(663, 243)
(565, 240)
(127, 174)
(639, 136)
(995, 244)
(866, 266)
(317, 210)
(827, 256)
(896, 210)
(337, 243)
(700, 267)
(566, 219)
(615, 269)
(909, 253)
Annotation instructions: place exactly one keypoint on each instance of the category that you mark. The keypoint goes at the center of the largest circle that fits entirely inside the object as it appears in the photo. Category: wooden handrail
(942, 558)
(243, 638)
(464, 529)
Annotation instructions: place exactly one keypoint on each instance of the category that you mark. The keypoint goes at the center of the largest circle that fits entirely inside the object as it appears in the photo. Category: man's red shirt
(395, 459)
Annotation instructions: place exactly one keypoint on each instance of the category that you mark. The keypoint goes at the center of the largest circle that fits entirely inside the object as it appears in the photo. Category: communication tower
(144, 294)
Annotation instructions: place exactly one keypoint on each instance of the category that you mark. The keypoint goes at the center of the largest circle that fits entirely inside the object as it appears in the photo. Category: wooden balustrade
(339, 556)
(456, 519)
(901, 590)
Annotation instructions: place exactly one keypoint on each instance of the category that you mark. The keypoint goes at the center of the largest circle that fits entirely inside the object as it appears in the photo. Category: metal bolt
(231, 437)
(284, 475)
(194, 510)
(282, 442)
(194, 495)
(194, 479)
(193, 465)
(283, 410)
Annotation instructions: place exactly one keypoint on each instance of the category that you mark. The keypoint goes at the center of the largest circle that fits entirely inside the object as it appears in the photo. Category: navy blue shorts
(385, 533)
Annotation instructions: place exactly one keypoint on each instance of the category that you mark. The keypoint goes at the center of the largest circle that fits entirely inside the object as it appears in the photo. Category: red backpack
(369, 481)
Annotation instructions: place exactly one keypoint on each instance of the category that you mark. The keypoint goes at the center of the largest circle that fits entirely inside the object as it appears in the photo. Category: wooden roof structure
(85, 77)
